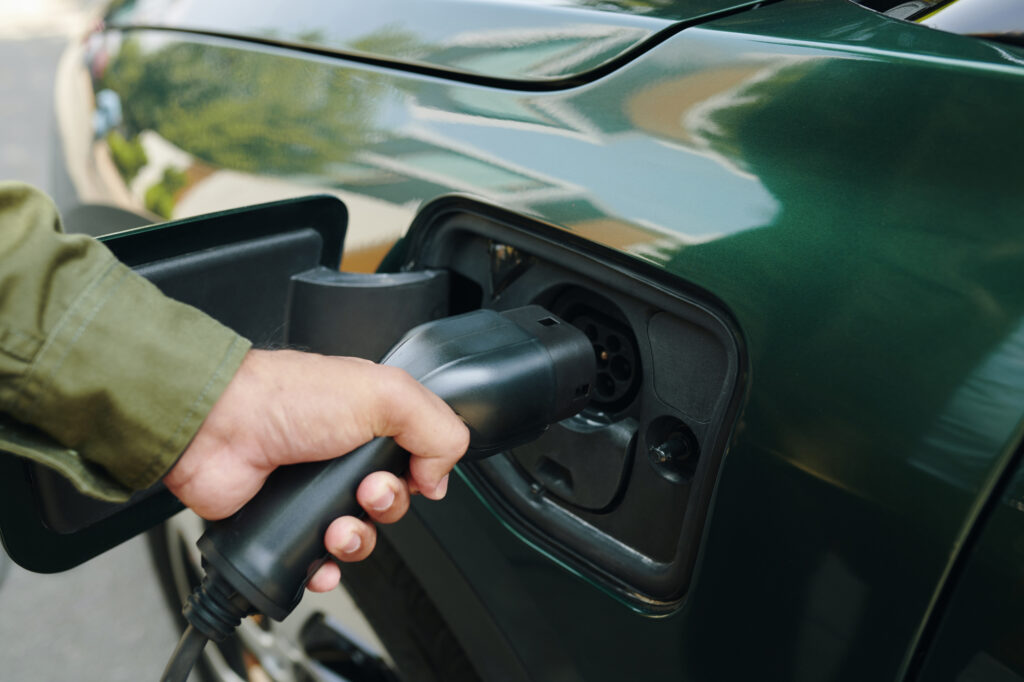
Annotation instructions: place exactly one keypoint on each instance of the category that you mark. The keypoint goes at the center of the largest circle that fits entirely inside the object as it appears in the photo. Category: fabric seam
(38, 374)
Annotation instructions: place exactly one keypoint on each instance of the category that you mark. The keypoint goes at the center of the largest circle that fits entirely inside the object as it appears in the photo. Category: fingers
(325, 579)
(384, 496)
(350, 539)
(424, 425)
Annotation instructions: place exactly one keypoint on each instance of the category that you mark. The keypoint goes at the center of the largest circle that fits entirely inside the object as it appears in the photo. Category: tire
(382, 627)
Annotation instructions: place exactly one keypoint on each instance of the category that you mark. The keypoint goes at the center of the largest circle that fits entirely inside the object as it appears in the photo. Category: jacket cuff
(128, 375)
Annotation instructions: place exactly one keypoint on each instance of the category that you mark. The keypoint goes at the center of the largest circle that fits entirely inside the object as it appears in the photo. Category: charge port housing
(649, 445)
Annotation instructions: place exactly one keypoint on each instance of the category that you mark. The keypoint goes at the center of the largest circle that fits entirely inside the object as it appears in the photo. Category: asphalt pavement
(105, 620)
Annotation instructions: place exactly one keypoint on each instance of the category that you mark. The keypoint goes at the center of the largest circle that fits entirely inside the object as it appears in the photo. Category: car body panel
(981, 633)
(838, 181)
(525, 41)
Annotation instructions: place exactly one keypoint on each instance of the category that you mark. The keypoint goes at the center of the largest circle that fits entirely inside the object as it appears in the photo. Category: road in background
(105, 620)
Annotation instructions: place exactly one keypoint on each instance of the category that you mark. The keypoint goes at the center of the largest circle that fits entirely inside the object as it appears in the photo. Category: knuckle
(389, 381)
(462, 440)
(396, 378)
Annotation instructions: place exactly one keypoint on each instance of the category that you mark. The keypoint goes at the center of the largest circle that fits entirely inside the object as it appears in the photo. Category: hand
(285, 407)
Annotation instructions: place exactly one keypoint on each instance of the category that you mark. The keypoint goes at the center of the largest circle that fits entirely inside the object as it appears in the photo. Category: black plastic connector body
(508, 375)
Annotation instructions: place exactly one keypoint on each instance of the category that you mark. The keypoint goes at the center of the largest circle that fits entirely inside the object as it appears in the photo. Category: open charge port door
(649, 444)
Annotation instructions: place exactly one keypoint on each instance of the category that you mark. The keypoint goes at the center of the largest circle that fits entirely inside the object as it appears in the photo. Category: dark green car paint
(844, 183)
(497, 40)
(980, 632)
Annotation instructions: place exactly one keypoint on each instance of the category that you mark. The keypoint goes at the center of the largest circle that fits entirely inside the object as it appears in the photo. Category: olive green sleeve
(96, 358)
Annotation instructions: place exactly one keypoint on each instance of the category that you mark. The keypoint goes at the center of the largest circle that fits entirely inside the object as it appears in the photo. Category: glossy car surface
(841, 188)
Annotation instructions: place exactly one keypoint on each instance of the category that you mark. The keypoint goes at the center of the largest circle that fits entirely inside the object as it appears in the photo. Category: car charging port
(662, 398)
(619, 373)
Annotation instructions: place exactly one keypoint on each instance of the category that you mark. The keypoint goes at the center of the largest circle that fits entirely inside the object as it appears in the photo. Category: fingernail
(442, 488)
(353, 544)
(384, 501)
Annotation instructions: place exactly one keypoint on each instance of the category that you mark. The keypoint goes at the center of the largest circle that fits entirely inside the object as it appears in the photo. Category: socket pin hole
(605, 386)
(548, 322)
(602, 356)
(620, 368)
(613, 344)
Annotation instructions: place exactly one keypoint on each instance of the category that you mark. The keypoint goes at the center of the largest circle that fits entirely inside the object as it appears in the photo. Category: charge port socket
(619, 372)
